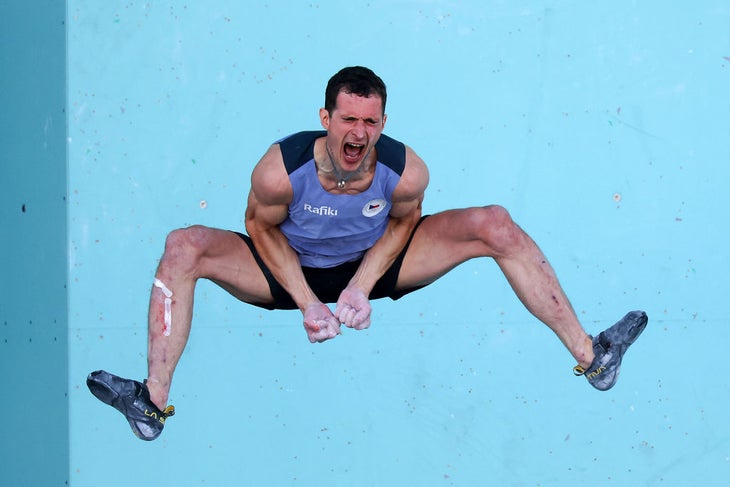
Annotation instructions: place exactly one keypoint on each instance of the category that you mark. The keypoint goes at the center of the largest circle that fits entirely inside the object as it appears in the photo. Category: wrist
(359, 285)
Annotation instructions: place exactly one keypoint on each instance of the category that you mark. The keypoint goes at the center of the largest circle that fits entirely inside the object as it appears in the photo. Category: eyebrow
(367, 119)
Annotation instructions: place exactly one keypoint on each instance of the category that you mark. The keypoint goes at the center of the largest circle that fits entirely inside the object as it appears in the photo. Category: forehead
(349, 104)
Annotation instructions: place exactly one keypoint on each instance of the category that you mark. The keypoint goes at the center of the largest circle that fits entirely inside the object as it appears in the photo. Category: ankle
(585, 353)
(158, 393)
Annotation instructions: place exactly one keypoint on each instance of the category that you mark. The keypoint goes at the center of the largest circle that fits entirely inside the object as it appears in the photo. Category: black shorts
(328, 283)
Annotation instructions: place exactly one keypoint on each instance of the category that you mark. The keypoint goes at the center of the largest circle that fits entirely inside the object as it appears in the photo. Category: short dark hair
(355, 80)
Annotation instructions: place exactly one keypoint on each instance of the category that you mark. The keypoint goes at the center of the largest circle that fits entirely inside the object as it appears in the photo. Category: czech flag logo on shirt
(373, 207)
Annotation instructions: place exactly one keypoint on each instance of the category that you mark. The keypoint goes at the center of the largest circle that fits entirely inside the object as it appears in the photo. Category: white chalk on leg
(165, 291)
(168, 317)
(168, 307)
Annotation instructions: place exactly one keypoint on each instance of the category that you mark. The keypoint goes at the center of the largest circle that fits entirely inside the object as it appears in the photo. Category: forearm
(282, 261)
(380, 257)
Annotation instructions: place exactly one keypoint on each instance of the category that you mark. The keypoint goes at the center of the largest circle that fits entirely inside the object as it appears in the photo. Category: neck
(340, 178)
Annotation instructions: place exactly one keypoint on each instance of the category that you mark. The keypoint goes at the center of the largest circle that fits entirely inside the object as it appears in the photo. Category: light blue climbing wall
(602, 126)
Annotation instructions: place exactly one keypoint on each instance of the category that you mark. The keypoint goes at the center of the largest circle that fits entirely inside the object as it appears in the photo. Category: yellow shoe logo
(154, 415)
(597, 372)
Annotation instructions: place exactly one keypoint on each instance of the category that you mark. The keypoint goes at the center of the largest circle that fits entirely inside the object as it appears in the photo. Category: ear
(324, 118)
(385, 117)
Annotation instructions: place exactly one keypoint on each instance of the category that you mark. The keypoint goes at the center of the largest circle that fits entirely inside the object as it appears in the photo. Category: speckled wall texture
(602, 126)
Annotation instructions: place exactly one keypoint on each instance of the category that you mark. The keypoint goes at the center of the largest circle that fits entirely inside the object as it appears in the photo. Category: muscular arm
(353, 308)
(268, 205)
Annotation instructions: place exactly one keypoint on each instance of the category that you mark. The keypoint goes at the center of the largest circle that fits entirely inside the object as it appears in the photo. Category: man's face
(353, 128)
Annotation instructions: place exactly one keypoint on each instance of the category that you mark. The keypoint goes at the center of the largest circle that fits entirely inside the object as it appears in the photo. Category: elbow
(251, 224)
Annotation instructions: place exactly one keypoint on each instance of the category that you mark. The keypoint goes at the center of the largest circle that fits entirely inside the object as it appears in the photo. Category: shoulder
(392, 153)
(405, 162)
(414, 180)
(269, 179)
(408, 195)
(270, 182)
(298, 148)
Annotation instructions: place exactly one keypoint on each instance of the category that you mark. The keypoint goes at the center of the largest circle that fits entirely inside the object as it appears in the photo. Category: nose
(359, 128)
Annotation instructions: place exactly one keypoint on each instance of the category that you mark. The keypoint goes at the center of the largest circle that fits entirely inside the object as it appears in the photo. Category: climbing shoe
(132, 399)
(609, 348)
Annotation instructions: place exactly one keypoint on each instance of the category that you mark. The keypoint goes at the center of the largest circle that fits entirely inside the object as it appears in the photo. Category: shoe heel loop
(169, 411)
(578, 370)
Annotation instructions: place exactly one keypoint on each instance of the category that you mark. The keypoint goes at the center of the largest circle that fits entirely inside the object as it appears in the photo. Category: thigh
(229, 262)
(442, 241)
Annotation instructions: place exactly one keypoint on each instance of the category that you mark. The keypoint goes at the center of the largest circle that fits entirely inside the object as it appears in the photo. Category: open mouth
(353, 152)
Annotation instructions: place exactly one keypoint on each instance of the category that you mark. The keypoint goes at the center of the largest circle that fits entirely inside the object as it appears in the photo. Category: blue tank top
(328, 229)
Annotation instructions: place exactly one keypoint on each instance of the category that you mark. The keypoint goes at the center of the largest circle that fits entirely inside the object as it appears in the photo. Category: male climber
(334, 216)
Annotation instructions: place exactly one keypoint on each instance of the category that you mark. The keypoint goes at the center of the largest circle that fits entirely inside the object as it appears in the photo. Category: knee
(497, 229)
(185, 246)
